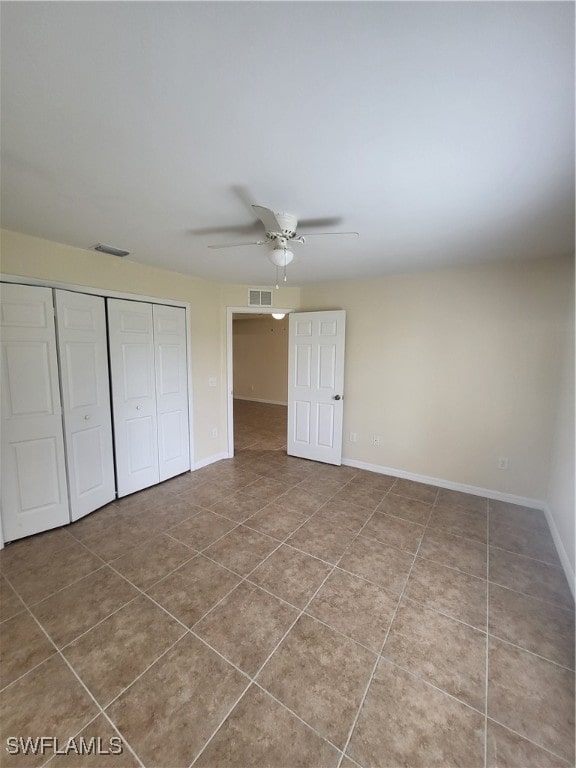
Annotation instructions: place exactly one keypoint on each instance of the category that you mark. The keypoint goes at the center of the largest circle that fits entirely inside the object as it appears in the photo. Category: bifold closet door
(82, 344)
(131, 341)
(34, 489)
(171, 390)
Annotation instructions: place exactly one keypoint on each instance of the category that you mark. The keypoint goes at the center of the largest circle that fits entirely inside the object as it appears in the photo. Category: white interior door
(81, 331)
(316, 384)
(34, 490)
(171, 390)
(131, 339)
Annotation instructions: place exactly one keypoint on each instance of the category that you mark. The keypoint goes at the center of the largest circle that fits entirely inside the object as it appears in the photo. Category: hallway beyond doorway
(259, 426)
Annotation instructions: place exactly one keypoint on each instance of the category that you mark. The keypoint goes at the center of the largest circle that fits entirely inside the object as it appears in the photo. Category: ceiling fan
(280, 231)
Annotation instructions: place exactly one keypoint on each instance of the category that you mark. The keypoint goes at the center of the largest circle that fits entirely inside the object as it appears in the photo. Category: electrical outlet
(214, 431)
(503, 462)
(353, 437)
(212, 381)
(376, 441)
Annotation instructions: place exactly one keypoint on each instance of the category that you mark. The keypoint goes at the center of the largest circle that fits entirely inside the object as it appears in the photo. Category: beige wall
(454, 369)
(35, 258)
(261, 358)
(42, 259)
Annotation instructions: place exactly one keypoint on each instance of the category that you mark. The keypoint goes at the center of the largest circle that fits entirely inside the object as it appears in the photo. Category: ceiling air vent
(259, 298)
(110, 250)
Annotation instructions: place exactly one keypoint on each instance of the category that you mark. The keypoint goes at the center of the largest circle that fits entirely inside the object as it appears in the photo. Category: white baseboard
(488, 493)
(566, 565)
(260, 400)
(441, 483)
(210, 460)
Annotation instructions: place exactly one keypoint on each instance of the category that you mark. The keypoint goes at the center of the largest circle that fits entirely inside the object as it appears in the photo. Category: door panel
(34, 489)
(131, 340)
(315, 385)
(171, 390)
(81, 328)
(28, 379)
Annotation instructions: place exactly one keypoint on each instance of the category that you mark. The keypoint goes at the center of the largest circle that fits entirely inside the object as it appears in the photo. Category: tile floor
(268, 611)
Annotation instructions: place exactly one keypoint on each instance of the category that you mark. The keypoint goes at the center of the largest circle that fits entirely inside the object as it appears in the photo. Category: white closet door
(81, 331)
(171, 390)
(131, 339)
(34, 490)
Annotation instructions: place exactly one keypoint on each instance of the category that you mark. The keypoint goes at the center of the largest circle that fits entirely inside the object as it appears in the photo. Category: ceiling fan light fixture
(280, 257)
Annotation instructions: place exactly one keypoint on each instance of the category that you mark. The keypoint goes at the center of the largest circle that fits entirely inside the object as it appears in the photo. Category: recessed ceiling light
(278, 315)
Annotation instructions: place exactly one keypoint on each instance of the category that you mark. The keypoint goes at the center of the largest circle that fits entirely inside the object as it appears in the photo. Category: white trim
(488, 493)
(441, 483)
(260, 400)
(210, 460)
(92, 291)
(230, 311)
(189, 353)
(564, 560)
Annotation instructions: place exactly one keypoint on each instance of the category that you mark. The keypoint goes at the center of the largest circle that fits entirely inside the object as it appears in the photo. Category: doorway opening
(257, 363)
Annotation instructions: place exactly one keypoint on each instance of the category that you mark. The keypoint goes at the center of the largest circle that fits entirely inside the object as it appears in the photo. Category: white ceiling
(442, 131)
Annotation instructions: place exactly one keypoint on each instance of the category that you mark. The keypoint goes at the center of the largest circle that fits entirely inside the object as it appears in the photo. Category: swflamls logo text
(43, 745)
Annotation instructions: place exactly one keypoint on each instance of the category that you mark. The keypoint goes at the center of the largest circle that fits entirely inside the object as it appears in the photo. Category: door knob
(87, 417)
(337, 397)
(138, 407)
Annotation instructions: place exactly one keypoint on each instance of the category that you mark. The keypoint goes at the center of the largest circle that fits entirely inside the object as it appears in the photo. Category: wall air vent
(110, 250)
(259, 298)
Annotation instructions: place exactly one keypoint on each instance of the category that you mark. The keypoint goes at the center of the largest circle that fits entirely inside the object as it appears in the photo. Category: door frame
(230, 312)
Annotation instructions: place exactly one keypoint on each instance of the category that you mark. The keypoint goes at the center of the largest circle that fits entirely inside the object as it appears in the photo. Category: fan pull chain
(277, 286)
(284, 271)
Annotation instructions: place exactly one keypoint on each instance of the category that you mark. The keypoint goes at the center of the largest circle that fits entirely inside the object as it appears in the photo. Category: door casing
(230, 312)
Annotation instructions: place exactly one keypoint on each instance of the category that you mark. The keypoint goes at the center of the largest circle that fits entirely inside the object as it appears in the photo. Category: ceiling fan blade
(324, 234)
(244, 195)
(239, 229)
(326, 222)
(267, 217)
(238, 245)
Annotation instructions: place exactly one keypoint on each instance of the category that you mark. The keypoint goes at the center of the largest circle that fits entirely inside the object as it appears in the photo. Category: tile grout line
(190, 631)
(333, 568)
(530, 741)
(294, 714)
(379, 655)
(203, 553)
(532, 653)
(528, 557)
(303, 610)
(301, 613)
(246, 578)
(60, 589)
(98, 623)
(75, 736)
(553, 603)
(427, 682)
(281, 542)
(84, 686)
